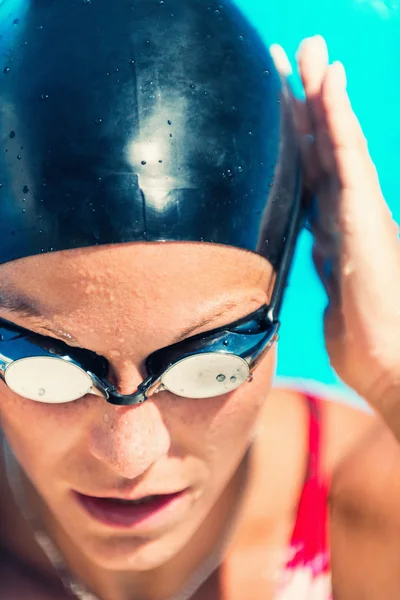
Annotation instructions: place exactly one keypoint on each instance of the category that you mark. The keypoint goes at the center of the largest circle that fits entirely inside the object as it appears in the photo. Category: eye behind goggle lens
(206, 375)
(46, 379)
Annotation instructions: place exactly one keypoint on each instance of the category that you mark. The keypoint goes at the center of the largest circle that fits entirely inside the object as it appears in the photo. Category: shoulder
(358, 451)
(361, 457)
(365, 518)
(342, 427)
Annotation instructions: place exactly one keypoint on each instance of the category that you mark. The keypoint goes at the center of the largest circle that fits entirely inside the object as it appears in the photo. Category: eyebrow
(208, 319)
(18, 303)
(26, 307)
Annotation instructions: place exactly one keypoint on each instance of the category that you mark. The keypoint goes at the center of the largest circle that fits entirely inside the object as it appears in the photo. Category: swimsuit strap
(309, 541)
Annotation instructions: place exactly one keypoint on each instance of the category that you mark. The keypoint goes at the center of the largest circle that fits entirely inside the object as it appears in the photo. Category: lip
(112, 513)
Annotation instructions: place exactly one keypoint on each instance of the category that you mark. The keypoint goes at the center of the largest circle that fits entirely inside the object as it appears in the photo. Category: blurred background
(365, 36)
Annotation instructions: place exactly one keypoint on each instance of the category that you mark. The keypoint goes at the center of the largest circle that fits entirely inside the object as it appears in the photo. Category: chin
(117, 553)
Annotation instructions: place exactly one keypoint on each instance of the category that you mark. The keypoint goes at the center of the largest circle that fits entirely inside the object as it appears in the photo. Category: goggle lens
(206, 375)
(47, 379)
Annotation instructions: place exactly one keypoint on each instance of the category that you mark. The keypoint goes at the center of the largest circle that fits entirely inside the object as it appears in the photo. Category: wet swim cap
(141, 120)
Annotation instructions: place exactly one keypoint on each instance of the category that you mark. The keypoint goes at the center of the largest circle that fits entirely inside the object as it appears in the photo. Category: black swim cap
(141, 120)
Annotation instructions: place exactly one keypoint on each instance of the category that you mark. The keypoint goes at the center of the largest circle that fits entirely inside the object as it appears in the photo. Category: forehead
(145, 274)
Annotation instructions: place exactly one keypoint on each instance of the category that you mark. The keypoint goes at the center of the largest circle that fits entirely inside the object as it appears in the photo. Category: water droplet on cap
(241, 38)
(144, 162)
(233, 379)
(98, 121)
(25, 189)
(16, 21)
(225, 342)
(12, 134)
(44, 96)
(221, 378)
(6, 70)
(169, 122)
(19, 157)
(41, 391)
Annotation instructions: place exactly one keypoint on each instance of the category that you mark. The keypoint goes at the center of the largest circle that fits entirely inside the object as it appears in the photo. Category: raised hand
(356, 246)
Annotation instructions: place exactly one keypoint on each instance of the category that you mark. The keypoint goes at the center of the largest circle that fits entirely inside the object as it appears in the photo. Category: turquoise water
(365, 36)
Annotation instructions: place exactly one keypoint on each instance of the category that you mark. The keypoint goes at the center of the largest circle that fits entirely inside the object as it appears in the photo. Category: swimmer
(155, 173)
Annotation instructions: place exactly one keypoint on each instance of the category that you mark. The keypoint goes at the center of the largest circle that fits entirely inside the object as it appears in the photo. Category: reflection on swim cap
(141, 120)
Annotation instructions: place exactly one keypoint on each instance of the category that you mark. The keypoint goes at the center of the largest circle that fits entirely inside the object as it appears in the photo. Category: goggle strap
(295, 226)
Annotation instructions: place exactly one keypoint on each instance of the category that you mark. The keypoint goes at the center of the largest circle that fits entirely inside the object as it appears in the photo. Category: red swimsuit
(307, 573)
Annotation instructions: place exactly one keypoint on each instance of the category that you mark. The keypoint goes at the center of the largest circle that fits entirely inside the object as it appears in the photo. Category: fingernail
(316, 41)
(340, 74)
(319, 38)
(281, 60)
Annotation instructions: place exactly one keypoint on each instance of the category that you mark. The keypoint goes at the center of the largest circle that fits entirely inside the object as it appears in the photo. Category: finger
(326, 267)
(281, 60)
(313, 61)
(302, 118)
(369, 241)
(349, 147)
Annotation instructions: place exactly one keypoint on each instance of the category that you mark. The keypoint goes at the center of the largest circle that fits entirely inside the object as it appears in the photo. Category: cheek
(235, 422)
(39, 434)
(220, 429)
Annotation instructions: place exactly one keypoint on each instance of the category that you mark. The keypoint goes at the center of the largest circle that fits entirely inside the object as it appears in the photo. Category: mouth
(118, 512)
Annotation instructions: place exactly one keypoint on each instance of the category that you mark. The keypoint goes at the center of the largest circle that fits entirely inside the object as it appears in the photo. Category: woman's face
(124, 302)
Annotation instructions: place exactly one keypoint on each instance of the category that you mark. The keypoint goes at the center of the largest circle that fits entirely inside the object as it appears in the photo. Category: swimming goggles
(206, 365)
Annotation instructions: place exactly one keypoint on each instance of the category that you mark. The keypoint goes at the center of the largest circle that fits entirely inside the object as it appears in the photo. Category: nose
(145, 389)
(128, 384)
(129, 440)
